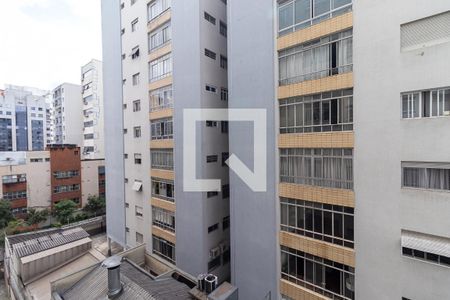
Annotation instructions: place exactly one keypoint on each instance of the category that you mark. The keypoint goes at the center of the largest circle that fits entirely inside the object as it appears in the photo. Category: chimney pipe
(114, 285)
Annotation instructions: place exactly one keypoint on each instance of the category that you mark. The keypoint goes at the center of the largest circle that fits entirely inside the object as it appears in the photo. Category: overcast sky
(45, 42)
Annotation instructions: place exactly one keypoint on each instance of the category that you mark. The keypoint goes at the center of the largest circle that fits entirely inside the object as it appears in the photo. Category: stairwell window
(210, 54)
(223, 62)
(136, 105)
(137, 158)
(223, 28)
(137, 131)
(426, 104)
(136, 79)
(210, 18)
(210, 88)
(134, 25)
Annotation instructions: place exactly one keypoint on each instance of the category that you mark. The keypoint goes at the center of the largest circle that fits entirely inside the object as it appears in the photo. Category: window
(135, 52)
(426, 104)
(425, 247)
(224, 126)
(161, 98)
(211, 158)
(157, 7)
(139, 238)
(225, 156)
(161, 129)
(210, 18)
(125, 131)
(329, 111)
(137, 131)
(432, 176)
(15, 195)
(211, 123)
(321, 167)
(137, 158)
(224, 94)
(134, 25)
(7, 179)
(323, 276)
(160, 68)
(211, 194)
(225, 191)
(223, 62)
(66, 174)
(213, 227)
(226, 223)
(136, 105)
(164, 248)
(324, 222)
(162, 159)
(136, 79)
(327, 56)
(210, 54)
(298, 14)
(139, 211)
(163, 219)
(210, 88)
(66, 188)
(163, 189)
(160, 36)
(89, 136)
(223, 28)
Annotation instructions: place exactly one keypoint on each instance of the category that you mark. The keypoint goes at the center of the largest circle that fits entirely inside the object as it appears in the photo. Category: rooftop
(137, 284)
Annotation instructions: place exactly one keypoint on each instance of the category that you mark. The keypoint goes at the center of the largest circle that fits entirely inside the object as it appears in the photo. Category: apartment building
(93, 110)
(50, 120)
(156, 37)
(23, 119)
(40, 179)
(402, 87)
(68, 114)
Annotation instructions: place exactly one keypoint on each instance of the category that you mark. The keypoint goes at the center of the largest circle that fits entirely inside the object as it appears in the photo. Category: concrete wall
(112, 90)
(89, 179)
(252, 81)
(192, 70)
(383, 140)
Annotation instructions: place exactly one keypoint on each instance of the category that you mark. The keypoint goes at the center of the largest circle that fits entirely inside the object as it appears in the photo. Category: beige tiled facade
(161, 144)
(331, 83)
(163, 174)
(324, 28)
(163, 18)
(298, 292)
(311, 193)
(316, 140)
(163, 113)
(166, 235)
(163, 204)
(160, 52)
(322, 249)
(160, 83)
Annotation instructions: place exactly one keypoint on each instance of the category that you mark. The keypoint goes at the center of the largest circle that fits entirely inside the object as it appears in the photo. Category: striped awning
(426, 243)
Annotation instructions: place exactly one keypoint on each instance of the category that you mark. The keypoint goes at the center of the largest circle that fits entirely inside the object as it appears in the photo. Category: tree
(64, 210)
(96, 205)
(35, 217)
(6, 215)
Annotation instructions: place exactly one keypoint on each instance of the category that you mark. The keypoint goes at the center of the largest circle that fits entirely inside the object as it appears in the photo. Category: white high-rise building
(68, 114)
(23, 119)
(93, 110)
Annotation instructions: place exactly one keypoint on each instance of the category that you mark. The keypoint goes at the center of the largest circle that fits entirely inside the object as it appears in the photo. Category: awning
(137, 186)
(426, 243)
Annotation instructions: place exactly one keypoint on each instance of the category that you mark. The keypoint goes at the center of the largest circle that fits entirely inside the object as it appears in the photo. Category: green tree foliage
(64, 211)
(35, 217)
(5, 213)
(95, 206)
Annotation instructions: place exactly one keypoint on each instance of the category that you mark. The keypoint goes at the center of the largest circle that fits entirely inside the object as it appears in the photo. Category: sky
(44, 43)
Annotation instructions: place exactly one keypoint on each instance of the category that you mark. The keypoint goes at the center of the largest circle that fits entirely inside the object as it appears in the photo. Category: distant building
(23, 119)
(93, 111)
(68, 114)
(40, 179)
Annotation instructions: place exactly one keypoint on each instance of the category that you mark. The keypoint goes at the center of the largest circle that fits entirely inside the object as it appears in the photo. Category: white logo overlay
(256, 180)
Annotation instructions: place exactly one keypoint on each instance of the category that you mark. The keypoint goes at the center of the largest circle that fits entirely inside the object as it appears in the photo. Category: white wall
(383, 140)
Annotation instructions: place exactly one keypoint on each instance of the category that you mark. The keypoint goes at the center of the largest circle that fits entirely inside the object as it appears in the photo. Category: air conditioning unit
(214, 252)
(210, 283)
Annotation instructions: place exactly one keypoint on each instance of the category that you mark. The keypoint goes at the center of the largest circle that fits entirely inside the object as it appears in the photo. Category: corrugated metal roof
(426, 243)
(25, 245)
(137, 284)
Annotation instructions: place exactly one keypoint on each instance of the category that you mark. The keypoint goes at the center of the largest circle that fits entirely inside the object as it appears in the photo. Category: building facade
(23, 119)
(39, 179)
(401, 140)
(154, 71)
(68, 114)
(93, 110)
